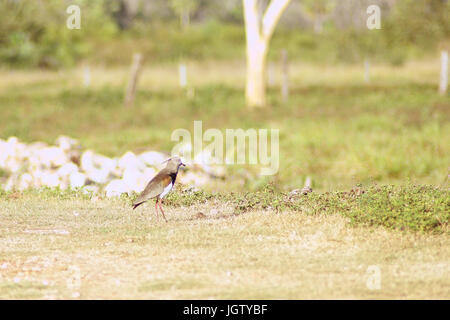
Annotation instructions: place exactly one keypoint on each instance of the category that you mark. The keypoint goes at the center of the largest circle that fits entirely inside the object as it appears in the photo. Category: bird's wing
(154, 188)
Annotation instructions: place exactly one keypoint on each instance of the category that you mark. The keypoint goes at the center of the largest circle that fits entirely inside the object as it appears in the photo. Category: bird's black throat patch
(174, 177)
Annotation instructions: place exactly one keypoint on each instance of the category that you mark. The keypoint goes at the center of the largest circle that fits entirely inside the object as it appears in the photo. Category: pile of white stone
(66, 165)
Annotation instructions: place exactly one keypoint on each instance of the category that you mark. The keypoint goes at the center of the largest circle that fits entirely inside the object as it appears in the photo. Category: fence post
(132, 82)
(86, 76)
(182, 73)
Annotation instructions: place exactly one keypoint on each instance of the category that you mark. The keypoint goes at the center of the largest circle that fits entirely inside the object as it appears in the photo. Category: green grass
(413, 208)
(242, 246)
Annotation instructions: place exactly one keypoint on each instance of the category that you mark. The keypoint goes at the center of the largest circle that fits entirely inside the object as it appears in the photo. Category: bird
(160, 185)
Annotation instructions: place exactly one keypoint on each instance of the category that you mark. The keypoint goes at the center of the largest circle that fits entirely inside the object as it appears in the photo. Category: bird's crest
(168, 159)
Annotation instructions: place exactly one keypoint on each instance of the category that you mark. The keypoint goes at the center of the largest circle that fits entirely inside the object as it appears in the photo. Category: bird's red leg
(156, 209)
(162, 211)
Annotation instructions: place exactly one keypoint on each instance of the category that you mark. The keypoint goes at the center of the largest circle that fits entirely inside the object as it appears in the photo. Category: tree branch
(251, 20)
(273, 13)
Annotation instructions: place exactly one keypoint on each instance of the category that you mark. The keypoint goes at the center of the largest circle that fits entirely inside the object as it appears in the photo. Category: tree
(259, 29)
(123, 11)
(184, 8)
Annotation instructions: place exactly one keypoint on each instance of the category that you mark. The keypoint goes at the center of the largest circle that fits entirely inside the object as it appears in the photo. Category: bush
(417, 208)
(34, 33)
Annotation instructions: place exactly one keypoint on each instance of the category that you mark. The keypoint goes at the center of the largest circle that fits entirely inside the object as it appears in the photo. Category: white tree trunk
(258, 32)
(256, 76)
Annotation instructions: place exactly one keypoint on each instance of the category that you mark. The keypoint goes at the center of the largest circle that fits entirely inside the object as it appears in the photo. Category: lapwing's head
(174, 163)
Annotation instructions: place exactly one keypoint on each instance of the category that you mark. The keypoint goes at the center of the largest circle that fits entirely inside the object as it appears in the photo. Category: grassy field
(334, 128)
(68, 246)
(378, 155)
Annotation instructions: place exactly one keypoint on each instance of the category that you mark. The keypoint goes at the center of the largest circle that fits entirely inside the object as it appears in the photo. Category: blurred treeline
(33, 33)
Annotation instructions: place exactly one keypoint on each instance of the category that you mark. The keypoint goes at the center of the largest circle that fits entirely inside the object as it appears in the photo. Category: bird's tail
(135, 205)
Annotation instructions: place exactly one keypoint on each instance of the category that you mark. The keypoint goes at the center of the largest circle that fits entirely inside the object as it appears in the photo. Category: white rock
(115, 188)
(43, 165)
(215, 171)
(11, 154)
(98, 175)
(37, 177)
(21, 150)
(67, 169)
(66, 143)
(34, 162)
(93, 166)
(185, 149)
(13, 164)
(50, 179)
(97, 167)
(77, 179)
(103, 162)
(204, 158)
(3, 153)
(10, 184)
(86, 161)
(117, 171)
(25, 181)
(130, 160)
(191, 178)
(130, 178)
(63, 184)
(37, 145)
(12, 140)
(147, 175)
(52, 157)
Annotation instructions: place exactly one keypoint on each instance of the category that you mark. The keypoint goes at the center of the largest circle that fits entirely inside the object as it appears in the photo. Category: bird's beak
(182, 164)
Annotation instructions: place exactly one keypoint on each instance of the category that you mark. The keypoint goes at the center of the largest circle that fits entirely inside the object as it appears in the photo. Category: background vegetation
(334, 128)
(31, 32)
(377, 152)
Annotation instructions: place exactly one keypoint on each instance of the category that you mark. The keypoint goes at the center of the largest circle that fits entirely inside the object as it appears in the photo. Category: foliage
(35, 33)
(415, 208)
(418, 208)
(318, 7)
(333, 128)
(182, 6)
(429, 25)
(207, 252)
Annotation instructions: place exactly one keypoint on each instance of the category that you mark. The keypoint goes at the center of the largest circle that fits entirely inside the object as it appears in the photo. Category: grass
(413, 208)
(377, 154)
(334, 128)
(224, 246)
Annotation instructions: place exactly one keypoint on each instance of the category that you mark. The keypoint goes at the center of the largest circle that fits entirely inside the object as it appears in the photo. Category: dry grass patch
(78, 248)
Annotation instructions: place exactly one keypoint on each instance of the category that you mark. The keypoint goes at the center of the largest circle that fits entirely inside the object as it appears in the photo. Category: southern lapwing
(160, 185)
